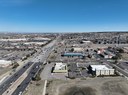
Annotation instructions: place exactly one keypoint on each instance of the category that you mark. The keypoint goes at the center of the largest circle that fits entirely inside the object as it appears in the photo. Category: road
(39, 60)
(5, 85)
(123, 71)
(21, 88)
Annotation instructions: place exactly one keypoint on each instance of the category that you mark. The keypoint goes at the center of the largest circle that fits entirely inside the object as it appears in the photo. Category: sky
(63, 15)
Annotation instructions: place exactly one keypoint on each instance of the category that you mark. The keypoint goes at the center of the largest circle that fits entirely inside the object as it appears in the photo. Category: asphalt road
(27, 80)
(123, 71)
(5, 85)
(42, 57)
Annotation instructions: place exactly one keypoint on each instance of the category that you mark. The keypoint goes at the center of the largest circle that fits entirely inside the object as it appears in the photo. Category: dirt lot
(36, 88)
(93, 86)
(4, 70)
(124, 56)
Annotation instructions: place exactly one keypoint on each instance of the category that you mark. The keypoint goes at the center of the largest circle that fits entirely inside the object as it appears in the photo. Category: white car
(20, 93)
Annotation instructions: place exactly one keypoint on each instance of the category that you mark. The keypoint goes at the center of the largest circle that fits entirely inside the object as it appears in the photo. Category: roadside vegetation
(15, 65)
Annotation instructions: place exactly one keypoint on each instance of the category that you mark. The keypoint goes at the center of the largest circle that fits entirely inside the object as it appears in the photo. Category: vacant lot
(35, 88)
(124, 56)
(92, 86)
(4, 70)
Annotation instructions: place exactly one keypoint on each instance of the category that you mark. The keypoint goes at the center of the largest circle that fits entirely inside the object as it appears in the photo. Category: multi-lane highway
(42, 56)
(20, 89)
(39, 60)
(4, 86)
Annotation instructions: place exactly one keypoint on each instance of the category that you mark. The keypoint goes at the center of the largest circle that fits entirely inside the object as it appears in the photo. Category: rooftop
(59, 66)
(99, 67)
(73, 54)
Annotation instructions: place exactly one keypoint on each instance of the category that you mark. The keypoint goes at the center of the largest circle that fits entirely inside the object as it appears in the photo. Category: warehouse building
(99, 70)
(60, 68)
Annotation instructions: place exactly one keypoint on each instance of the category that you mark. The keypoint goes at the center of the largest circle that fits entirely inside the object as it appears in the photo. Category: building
(40, 39)
(73, 54)
(99, 50)
(84, 41)
(60, 68)
(14, 40)
(104, 55)
(77, 49)
(110, 54)
(107, 54)
(4, 63)
(99, 70)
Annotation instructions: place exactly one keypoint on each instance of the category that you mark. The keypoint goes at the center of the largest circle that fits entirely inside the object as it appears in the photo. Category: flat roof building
(77, 49)
(60, 68)
(101, 70)
(73, 54)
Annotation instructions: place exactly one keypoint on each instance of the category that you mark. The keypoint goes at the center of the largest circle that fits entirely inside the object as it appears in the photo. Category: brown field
(93, 86)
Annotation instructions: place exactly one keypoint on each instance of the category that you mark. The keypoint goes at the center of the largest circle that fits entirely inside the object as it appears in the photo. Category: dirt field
(94, 86)
(124, 56)
(4, 70)
(36, 88)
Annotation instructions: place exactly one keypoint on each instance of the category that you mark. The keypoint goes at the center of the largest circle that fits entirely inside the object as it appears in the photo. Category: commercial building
(5, 63)
(77, 49)
(99, 70)
(60, 68)
(14, 40)
(104, 55)
(84, 41)
(40, 39)
(72, 54)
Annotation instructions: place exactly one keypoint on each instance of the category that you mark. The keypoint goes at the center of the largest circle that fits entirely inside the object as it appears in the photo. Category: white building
(60, 68)
(14, 40)
(102, 70)
(77, 49)
(42, 39)
(4, 63)
(86, 41)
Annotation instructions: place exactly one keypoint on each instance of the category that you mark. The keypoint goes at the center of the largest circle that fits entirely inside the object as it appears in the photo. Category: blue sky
(63, 15)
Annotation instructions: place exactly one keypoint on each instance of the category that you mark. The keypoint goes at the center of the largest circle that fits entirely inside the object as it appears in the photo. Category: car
(7, 91)
(16, 74)
(32, 72)
(11, 83)
(20, 93)
(27, 82)
(18, 86)
(37, 66)
(23, 66)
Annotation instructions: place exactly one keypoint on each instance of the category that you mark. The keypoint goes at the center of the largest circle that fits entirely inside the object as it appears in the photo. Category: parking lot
(47, 73)
(80, 70)
(73, 71)
(76, 70)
